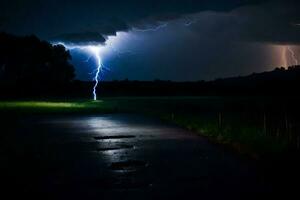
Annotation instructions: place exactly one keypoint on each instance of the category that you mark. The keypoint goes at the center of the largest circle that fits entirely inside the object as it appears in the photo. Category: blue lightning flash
(95, 51)
(112, 42)
(156, 28)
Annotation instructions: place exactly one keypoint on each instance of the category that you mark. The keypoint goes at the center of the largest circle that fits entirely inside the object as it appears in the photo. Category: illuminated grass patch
(56, 107)
(40, 105)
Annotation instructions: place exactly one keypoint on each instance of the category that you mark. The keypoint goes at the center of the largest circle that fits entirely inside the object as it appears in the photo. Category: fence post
(265, 123)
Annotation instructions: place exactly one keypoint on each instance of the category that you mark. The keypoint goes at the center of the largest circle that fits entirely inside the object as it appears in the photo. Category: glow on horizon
(284, 55)
(289, 56)
(293, 55)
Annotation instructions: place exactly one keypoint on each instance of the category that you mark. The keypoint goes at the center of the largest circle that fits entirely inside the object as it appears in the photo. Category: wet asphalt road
(121, 156)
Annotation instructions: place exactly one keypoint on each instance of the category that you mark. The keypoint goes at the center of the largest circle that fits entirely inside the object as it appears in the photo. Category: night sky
(182, 40)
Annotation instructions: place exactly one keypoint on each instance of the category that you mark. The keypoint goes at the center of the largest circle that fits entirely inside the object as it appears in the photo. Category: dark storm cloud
(52, 17)
(101, 31)
(273, 22)
(87, 38)
(219, 44)
(111, 26)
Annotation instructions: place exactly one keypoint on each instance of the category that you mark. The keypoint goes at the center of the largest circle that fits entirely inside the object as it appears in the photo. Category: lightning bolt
(95, 51)
(151, 29)
(293, 55)
(187, 22)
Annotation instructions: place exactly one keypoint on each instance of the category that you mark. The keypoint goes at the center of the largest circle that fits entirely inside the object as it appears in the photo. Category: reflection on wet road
(127, 156)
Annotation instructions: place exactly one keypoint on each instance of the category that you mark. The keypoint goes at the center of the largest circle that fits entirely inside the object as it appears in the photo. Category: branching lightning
(95, 51)
(151, 29)
(293, 55)
(189, 22)
(289, 56)
(162, 25)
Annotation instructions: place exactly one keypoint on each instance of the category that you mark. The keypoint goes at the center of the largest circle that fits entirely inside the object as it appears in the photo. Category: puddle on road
(115, 148)
(130, 165)
(132, 184)
(122, 183)
(114, 137)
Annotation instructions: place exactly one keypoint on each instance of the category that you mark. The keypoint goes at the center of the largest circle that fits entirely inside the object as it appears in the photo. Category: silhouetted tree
(28, 61)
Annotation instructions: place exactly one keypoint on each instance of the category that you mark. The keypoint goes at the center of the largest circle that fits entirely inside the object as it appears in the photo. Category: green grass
(244, 138)
(37, 104)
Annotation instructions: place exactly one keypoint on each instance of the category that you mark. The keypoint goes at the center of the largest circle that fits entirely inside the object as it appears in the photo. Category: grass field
(255, 126)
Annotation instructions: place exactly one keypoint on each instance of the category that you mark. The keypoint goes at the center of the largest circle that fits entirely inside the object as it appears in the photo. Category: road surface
(120, 156)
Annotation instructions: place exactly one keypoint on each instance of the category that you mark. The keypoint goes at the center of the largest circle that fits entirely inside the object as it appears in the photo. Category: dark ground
(120, 156)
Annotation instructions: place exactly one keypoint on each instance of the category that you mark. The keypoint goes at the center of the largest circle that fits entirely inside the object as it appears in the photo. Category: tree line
(29, 63)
